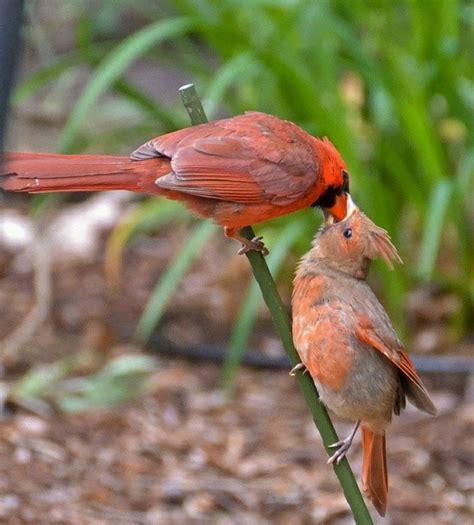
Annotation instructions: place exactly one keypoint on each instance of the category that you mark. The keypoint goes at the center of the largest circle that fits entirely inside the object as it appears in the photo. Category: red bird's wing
(384, 339)
(248, 159)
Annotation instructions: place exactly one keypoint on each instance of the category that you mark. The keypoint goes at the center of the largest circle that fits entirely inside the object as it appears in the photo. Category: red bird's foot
(342, 446)
(255, 245)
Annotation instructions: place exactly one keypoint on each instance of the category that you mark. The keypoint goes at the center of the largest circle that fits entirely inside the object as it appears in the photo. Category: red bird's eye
(347, 233)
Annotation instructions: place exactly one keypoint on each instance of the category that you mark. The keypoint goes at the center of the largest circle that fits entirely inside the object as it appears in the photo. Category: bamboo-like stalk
(282, 324)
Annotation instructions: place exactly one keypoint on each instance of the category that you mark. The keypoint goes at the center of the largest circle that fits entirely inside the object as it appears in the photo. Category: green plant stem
(248, 312)
(193, 105)
(282, 324)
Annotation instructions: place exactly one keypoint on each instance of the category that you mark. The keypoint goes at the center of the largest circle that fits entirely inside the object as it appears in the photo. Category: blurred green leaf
(114, 65)
(40, 380)
(170, 279)
(147, 216)
(437, 210)
(237, 70)
(121, 380)
(43, 76)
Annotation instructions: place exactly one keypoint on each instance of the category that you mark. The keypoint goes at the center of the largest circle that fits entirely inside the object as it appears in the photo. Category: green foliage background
(389, 82)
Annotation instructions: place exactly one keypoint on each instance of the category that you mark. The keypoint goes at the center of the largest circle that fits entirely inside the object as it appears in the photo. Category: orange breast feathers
(324, 348)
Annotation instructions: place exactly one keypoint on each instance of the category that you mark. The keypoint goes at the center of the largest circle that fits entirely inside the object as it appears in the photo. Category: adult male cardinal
(238, 171)
(347, 343)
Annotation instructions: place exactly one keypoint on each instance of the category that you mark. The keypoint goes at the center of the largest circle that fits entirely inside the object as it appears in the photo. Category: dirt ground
(180, 453)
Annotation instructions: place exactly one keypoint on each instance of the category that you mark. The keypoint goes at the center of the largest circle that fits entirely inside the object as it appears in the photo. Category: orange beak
(350, 207)
(339, 209)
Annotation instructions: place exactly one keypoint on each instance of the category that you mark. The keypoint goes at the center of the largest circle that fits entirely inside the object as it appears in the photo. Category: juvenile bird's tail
(45, 172)
(374, 469)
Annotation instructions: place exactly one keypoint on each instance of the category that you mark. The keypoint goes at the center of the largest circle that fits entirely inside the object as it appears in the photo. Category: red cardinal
(237, 171)
(347, 342)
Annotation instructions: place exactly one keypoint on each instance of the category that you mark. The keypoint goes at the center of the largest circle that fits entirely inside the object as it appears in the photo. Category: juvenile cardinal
(238, 171)
(347, 343)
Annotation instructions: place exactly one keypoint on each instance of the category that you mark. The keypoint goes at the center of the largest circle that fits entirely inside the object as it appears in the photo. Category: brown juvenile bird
(238, 171)
(347, 343)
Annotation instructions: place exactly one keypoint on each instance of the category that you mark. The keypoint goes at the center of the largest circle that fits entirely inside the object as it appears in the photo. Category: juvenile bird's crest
(351, 244)
(379, 244)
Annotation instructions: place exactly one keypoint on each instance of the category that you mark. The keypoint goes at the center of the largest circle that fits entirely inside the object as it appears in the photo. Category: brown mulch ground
(181, 454)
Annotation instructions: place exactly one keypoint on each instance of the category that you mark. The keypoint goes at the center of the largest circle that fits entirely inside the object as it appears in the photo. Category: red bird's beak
(343, 208)
(339, 209)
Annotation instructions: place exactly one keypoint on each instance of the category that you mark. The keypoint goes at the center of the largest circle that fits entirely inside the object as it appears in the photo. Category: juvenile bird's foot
(343, 446)
(297, 367)
(255, 245)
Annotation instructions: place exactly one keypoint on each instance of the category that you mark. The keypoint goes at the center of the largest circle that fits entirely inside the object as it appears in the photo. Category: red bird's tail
(374, 469)
(45, 172)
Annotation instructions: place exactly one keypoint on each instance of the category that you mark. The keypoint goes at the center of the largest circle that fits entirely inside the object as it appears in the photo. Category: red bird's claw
(255, 245)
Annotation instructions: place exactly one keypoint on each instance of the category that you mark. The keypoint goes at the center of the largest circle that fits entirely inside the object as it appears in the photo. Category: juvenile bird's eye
(347, 233)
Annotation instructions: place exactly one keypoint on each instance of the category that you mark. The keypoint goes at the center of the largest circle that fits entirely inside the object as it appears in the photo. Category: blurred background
(124, 321)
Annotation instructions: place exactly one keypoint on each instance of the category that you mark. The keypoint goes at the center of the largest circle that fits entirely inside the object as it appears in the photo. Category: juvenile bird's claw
(255, 245)
(343, 446)
(297, 367)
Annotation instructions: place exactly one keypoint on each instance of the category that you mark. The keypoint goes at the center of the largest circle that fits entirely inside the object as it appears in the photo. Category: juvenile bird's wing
(374, 329)
(245, 159)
